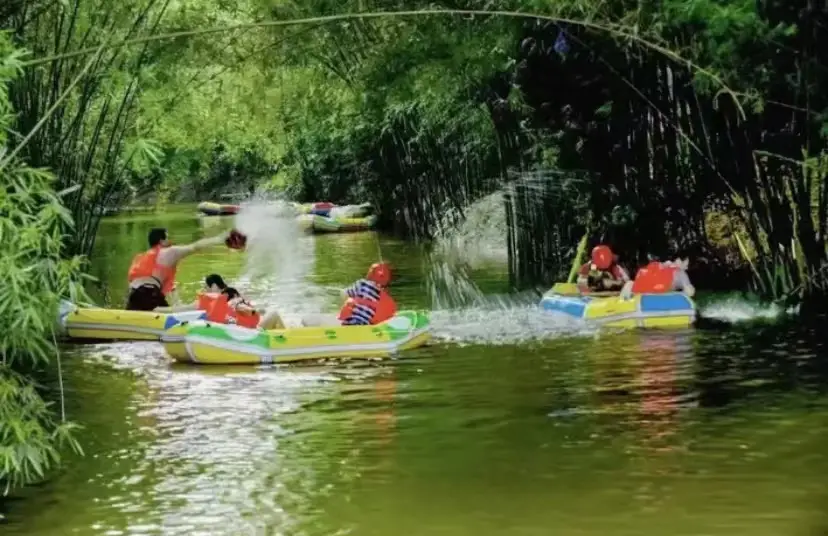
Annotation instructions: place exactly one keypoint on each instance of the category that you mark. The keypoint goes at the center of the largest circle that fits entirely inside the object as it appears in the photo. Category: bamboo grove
(690, 127)
(630, 116)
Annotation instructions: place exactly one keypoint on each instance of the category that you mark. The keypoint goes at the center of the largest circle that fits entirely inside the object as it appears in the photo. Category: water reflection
(217, 455)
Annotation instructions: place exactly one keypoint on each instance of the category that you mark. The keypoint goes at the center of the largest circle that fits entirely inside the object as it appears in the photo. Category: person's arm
(623, 275)
(244, 307)
(175, 254)
(583, 278)
(684, 284)
(351, 292)
(626, 290)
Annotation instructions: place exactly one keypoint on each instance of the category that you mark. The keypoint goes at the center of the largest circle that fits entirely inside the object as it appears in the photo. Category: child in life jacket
(213, 284)
(660, 277)
(368, 302)
(226, 305)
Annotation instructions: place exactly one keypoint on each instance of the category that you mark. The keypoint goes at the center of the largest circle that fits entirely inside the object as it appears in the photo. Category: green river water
(704, 432)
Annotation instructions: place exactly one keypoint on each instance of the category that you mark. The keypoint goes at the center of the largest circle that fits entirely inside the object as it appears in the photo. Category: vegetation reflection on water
(695, 432)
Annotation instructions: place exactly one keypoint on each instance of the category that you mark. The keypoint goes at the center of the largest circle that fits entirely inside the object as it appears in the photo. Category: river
(709, 431)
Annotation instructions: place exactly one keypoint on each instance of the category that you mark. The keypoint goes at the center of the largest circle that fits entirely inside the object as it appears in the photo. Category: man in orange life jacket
(368, 300)
(602, 272)
(660, 277)
(151, 276)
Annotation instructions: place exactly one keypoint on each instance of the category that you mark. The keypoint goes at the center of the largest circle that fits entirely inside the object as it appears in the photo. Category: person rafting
(151, 276)
(226, 305)
(213, 284)
(368, 302)
(229, 307)
(602, 273)
(241, 312)
(660, 277)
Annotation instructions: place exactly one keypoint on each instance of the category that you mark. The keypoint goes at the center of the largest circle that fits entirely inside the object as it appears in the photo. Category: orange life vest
(655, 278)
(218, 310)
(246, 319)
(383, 309)
(146, 265)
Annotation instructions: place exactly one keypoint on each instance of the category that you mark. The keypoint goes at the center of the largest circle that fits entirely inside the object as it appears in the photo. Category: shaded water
(693, 432)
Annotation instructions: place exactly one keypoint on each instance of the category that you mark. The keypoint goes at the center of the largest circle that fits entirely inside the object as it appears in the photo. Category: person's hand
(626, 291)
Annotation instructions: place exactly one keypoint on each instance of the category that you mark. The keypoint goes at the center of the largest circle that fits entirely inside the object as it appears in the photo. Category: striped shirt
(362, 314)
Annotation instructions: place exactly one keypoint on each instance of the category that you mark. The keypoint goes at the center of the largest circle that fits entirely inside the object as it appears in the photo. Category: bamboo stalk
(19, 147)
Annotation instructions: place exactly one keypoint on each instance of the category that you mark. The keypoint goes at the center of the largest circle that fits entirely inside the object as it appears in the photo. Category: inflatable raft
(302, 208)
(93, 323)
(214, 209)
(221, 344)
(321, 224)
(668, 310)
(335, 211)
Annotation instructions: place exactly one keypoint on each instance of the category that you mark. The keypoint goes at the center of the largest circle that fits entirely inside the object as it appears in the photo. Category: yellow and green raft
(322, 224)
(209, 208)
(667, 310)
(221, 344)
(95, 323)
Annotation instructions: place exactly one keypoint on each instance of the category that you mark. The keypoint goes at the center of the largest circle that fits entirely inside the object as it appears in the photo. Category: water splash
(463, 313)
(450, 285)
(734, 309)
(350, 211)
(504, 320)
(463, 243)
(280, 259)
(479, 236)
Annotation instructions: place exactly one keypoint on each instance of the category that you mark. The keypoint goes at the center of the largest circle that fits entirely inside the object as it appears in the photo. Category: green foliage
(31, 436)
(35, 278)
(663, 106)
(79, 113)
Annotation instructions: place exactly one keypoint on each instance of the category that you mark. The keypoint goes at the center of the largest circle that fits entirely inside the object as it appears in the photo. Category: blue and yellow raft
(668, 310)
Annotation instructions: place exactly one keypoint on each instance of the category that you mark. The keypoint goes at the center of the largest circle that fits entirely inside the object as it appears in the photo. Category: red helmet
(602, 257)
(379, 273)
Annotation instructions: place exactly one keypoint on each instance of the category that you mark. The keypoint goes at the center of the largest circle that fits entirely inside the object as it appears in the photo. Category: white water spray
(461, 245)
(738, 309)
(280, 260)
(350, 211)
(462, 313)
(479, 238)
(504, 320)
